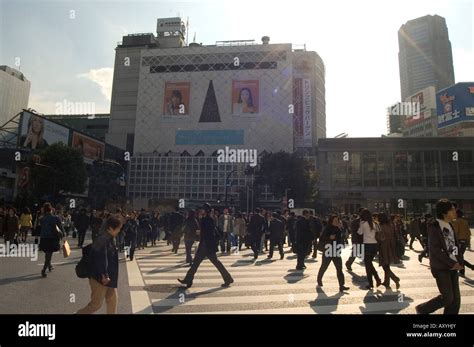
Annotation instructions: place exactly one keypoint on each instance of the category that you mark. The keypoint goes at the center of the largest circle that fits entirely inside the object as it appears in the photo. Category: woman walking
(105, 269)
(26, 223)
(368, 229)
(50, 236)
(333, 241)
(11, 226)
(387, 252)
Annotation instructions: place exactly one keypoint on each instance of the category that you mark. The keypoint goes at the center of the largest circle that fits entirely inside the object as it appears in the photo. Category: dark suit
(256, 227)
(207, 248)
(277, 233)
(304, 238)
(447, 279)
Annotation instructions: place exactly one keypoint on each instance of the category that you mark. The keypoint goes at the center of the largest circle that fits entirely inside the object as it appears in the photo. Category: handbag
(66, 249)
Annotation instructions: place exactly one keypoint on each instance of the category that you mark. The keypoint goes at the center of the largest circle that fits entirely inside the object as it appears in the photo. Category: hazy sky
(72, 58)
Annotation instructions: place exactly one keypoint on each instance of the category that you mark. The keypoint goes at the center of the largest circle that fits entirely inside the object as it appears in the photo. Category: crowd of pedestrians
(374, 237)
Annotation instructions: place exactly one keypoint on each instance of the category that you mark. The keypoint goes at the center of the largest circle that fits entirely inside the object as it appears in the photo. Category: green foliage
(61, 169)
(282, 170)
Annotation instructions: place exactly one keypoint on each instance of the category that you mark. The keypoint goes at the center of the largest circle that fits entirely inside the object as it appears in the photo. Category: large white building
(169, 97)
(14, 93)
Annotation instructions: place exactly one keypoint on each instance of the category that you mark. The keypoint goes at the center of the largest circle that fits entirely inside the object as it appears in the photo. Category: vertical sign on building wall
(307, 113)
(298, 111)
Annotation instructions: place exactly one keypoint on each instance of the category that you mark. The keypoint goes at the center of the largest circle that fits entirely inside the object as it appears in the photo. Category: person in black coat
(81, 223)
(49, 237)
(256, 228)
(131, 232)
(277, 233)
(105, 269)
(291, 227)
(355, 238)
(304, 238)
(424, 236)
(316, 228)
(333, 240)
(207, 248)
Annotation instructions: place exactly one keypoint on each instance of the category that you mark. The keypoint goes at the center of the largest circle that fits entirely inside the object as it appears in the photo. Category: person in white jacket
(368, 229)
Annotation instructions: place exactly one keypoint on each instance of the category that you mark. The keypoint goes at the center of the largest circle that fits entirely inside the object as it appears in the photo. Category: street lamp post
(286, 195)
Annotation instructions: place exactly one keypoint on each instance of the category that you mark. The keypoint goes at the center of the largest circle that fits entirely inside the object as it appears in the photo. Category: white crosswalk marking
(275, 287)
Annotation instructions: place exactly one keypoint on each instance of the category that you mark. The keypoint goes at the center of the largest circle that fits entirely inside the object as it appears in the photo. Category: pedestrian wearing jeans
(367, 229)
(225, 226)
(207, 249)
(445, 261)
(105, 269)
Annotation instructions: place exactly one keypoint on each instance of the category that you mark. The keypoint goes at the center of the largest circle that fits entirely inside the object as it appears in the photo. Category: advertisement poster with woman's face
(90, 149)
(38, 133)
(176, 101)
(244, 98)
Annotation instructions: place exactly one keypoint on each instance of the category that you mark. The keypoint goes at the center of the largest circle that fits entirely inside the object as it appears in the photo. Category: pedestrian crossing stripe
(257, 299)
(378, 307)
(264, 286)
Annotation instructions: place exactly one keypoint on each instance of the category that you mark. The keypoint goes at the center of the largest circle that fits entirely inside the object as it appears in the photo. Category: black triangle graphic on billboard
(210, 109)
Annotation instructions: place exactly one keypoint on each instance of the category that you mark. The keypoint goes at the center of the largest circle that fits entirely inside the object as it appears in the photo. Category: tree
(282, 171)
(61, 169)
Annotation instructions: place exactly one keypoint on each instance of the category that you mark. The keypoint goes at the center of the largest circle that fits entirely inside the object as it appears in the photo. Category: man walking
(304, 238)
(207, 248)
(277, 233)
(445, 261)
(225, 225)
(256, 229)
(81, 223)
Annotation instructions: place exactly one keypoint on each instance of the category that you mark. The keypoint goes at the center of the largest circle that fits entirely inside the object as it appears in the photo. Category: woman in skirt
(51, 234)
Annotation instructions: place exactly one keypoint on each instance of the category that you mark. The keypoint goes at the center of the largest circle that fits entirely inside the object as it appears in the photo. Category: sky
(67, 48)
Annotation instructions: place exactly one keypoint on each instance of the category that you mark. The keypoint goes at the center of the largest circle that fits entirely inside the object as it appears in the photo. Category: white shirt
(367, 232)
(226, 222)
(448, 238)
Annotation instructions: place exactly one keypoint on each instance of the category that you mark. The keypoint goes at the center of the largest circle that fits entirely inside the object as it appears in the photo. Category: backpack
(84, 267)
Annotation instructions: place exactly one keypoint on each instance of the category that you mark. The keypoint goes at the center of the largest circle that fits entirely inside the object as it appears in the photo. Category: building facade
(14, 93)
(455, 110)
(423, 121)
(175, 105)
(425, 56)
(379, 173)
(96, 125)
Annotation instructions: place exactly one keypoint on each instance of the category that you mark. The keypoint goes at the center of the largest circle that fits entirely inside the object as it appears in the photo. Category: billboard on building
(37, 132)
(302, 112)
(176, 103)
(245, 98)
(423, 103)
(90, 148)
(455, 104)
